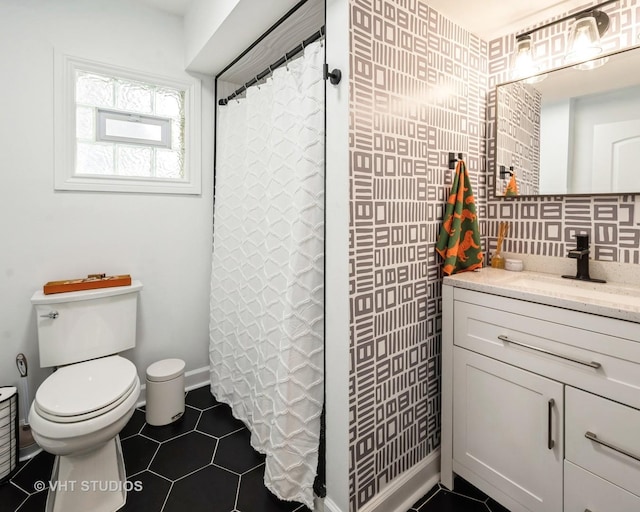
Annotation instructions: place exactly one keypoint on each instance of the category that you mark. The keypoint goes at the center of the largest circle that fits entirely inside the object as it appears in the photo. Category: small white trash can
(165, 392)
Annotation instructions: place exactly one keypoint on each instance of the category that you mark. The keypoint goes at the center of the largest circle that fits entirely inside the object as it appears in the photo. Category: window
(125, 131)
(131, 128)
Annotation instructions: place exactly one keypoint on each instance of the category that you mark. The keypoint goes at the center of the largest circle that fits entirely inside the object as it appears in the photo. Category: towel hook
(504, 173)
(453, 160)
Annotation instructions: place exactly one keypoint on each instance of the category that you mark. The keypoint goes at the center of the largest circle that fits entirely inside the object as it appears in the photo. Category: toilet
(80, 409)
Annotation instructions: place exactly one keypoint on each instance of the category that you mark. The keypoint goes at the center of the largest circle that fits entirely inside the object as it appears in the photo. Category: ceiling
(177, 7)
(494, 18)
(486, 18)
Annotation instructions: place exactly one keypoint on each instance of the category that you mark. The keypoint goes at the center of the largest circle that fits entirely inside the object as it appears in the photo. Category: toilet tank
(82, 325)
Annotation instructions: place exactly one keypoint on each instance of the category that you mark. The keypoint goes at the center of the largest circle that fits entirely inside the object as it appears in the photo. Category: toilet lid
(86, 387)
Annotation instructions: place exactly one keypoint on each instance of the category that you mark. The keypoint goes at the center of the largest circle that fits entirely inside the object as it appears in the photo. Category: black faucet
(581, 254)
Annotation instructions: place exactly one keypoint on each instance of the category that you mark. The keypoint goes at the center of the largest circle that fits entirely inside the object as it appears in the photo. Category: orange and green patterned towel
(512, 187)
(459, 240)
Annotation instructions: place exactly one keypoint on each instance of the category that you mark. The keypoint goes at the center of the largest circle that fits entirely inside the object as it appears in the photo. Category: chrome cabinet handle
(52, 314)
(592, 437)
(591, 364)
(550, 442)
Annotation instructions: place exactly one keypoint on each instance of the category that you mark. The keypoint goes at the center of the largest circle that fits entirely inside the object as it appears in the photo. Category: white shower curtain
(267, 298)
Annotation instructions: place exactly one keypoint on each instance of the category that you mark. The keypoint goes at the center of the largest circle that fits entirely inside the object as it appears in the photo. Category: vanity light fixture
(583, 43)
(523, 64)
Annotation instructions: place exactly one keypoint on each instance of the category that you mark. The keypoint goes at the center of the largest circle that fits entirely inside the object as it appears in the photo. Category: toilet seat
(82, 391)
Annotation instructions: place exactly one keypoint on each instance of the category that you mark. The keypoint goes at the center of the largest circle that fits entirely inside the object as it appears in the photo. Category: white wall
(162, 240)
(337, 259)
(589, 112)
(202, 20)
(555, 136)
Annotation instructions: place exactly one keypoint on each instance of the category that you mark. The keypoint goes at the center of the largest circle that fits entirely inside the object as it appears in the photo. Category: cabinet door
(508, 430)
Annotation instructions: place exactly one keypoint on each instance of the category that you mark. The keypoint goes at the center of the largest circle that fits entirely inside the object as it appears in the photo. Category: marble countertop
(612, 299)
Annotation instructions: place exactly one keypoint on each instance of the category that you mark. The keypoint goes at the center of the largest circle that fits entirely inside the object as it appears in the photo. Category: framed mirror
(571, 131)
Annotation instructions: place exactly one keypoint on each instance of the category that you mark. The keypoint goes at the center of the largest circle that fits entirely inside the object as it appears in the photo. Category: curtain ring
(257, 82)
(286, 62)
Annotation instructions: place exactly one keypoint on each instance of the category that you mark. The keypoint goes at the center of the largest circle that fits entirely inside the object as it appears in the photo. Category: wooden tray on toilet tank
(90, 282)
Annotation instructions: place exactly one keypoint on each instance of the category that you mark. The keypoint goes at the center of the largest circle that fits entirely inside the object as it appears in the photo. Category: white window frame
(65, 177)
(103, 115)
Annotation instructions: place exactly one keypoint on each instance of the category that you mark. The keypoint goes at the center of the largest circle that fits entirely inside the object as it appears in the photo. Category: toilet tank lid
(40, 298)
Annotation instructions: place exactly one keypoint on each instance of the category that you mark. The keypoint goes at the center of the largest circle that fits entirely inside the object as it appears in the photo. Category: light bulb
(523, 64)
(584, 41)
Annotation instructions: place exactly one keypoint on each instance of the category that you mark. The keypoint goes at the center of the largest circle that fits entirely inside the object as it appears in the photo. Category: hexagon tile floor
(203, 462)
(464, 498)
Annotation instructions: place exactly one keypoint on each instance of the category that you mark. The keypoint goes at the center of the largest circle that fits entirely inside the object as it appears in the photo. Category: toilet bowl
(80, 409)
(77, 415)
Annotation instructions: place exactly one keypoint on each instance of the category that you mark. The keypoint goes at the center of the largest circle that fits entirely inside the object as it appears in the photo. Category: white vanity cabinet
(540, 403)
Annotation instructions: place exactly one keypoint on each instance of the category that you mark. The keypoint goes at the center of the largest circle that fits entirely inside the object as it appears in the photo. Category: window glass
(122, 124)
(125, 130)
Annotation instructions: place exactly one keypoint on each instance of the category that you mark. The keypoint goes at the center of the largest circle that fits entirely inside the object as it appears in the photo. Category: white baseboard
(197, 378)
(327, 506)
(192, 379)
(406, 489)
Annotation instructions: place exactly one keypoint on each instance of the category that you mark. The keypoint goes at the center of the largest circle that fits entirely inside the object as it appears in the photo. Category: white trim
(197, 378)
(407, 488)
(337, 259)
(103, 115)
(446, 397)
(64, 135)
(328, 506)
(193, 379)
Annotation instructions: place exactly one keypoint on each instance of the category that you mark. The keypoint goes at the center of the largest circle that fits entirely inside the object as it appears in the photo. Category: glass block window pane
(169, 103)
(92, 89)
(168, 164)
(85, 123)
(134, 161)
(94, 159)
(128, 127)
(134, 96)
(177, 135)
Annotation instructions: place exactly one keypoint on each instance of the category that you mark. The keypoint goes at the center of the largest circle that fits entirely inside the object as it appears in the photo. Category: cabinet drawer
(519, 334)
(613, 424)
(586, 491)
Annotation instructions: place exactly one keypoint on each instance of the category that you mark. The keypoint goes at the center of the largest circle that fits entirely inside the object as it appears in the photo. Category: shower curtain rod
(282, 60)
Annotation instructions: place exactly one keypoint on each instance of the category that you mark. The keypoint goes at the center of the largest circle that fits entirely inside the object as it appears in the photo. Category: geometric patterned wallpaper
(417, 91)
(421, 87)
(548, 225)
(518, 136)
